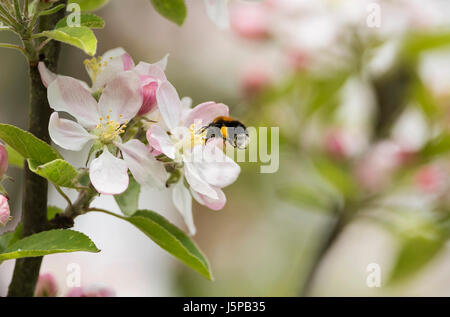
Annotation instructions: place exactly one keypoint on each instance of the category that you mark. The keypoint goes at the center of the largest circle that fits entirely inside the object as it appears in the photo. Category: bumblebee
(229, 130)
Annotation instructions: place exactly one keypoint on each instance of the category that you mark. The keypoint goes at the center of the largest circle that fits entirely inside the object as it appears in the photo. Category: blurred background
(361, 93)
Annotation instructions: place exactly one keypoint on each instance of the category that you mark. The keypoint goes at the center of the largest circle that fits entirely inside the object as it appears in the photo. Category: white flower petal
(217, 11)
(152, 70)
(144, 167)
(118, 60)
(183, 202)
(169, 104)
(159, 139)
(163, 62)
(196, 182)
(68, 95)
(205, 113)
(67, 133)
(214, 166)
(122, 97)
(109, 174)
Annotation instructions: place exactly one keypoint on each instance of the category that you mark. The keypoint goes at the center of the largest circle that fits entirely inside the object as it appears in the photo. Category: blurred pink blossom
(3, 160)
(92, 291)
(250, 21)
(46, 286)
(255, 78)
(430, 179)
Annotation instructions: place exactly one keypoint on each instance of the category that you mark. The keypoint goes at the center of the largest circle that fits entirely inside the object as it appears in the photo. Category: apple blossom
(205, 166)
(250, 21)
(104, 69)
(217, 11)
(46, 286)
(5, 214)
(103, 122)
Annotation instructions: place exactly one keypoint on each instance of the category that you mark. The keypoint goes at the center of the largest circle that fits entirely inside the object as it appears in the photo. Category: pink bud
(3, 160)
(250, 21)
(46, 286)
(149, 87)
(430, 179)
(93, 291)
(5, 214)
(298, 59)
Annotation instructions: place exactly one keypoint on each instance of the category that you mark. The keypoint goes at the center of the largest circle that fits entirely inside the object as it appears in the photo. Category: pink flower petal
(68, 95)
(109, 174)
(169, 104)
(153, 70)
(160, 141)
(144, 167)
(205, 113)
(47, 76)
(67, 133)
(214, 204)
(46, 286)
(4, 210)
(3, 160)
(183, 202)
(149, 94)
(122, 97)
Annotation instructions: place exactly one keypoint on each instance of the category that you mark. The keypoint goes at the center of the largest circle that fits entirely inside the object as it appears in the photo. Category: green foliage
(304, 197)
(90, 5)
(440, 145)
(89, 20)
(128, 201)
(52, 211)
(173, 10)
(14, 158)
(52, 10)
(59, 172)
(9, 238)
(48, 242)
(81, 37)
(417, 43)
(171, 239)
(27, 145)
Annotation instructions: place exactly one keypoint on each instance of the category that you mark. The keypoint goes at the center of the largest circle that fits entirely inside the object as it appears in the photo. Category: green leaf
(52, 10)
(171, 239)
(14, 158)
(173, 10)
(89, 20)
(27, 145)
(90, 5)
(9, 238)
(49, 242)
(304, 197)
(336, 176)
(59, 172)
(128, 201)
(81, 37)
(417, 43)
(52, 211)
(440, 145)
(415, 253)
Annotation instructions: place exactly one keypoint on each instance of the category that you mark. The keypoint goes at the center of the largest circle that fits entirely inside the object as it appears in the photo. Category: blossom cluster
(135, 124)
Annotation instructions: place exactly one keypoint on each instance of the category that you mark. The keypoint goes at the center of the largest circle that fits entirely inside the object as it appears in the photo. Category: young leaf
(81, 37)
(90, 5)
(27, 145)
(14, 158)
(52, 10)
(89, 20)
(9, 238)
(59, 172)
(173, 10)
(128, 201)
(49, 242)
(171, 239)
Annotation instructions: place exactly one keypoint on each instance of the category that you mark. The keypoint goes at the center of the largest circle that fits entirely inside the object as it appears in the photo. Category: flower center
(108, 130)
(95, 66)
(193, 138)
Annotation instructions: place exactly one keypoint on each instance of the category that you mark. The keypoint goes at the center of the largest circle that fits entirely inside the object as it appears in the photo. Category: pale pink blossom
(430, 179)
(255, 78)
(3, 160)
(250, 21)
(205, 167)
(46, 286)
(92, 291)
(103, 122)
(5, 214)
(217, 11)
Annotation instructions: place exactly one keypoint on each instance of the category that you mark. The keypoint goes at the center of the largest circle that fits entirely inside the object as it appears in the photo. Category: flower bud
(250, 21)
(4, 210)
(46, 286)
(3, 160)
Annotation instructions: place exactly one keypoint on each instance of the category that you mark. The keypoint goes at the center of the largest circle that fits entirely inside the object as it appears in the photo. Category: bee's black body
(228, 129)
